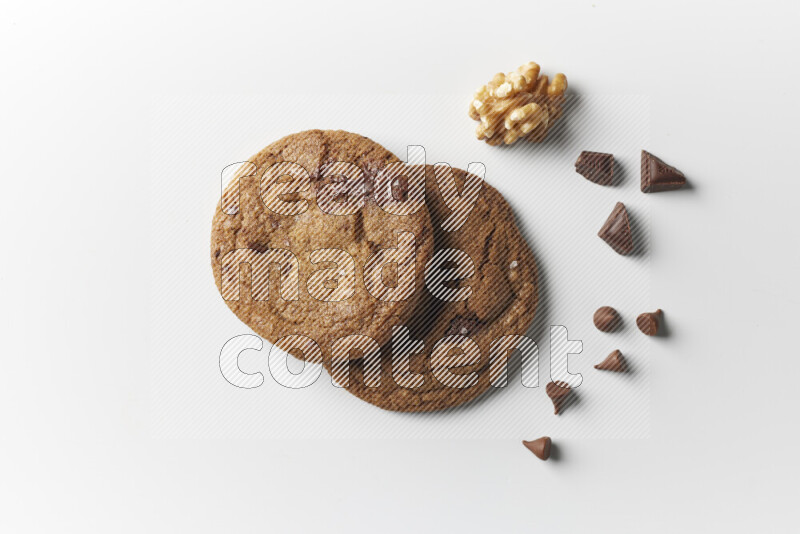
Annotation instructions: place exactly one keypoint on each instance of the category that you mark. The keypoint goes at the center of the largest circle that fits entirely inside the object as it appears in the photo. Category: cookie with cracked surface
(264, 218)
(503, 303)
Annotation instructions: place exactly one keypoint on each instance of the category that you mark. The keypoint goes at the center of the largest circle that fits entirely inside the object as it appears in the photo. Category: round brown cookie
(503, 302)
(363, 232)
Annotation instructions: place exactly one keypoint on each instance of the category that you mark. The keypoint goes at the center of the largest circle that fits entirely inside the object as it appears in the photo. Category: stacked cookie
(406, 350)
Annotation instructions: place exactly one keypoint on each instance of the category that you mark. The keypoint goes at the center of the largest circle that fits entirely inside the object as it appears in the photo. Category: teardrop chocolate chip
(613, 362)
(540, 447)
(649, 323)
(606, 319)
(558, 393)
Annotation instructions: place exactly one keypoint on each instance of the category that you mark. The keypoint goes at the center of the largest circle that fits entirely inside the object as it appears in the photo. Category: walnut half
(519, 105)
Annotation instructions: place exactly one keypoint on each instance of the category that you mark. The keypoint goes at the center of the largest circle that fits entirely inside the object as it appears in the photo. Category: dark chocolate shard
(596, 167)
(658, 176)
(616, 231)
(649, 323)
(558, 393)
(606, 319)
(540, 447)
(613, 362)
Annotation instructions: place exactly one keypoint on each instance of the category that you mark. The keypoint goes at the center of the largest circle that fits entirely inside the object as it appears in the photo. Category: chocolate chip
(596, 167)
(463, 326)
(648, 323)
(540, 447)
(613, 362)
(658, 176)
(558, 393)
(616, 231)
(606, 319)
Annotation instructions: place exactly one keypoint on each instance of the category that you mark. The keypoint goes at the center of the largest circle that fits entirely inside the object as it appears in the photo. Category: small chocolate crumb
(400, 189)
(596, 167)
(616, 231)
(606, 319)
(613, 362)
(558, 392)
(540, 447)
(658, 176)
(648, 323)
(463, 326)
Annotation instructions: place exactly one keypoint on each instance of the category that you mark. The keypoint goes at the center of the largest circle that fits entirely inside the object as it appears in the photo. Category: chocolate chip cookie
(503, 302)
(307, 202)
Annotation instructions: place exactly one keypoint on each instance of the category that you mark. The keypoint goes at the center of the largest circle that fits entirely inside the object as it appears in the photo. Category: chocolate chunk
(648, 323)
(613, 362)
(258, 245)
(617, 230)
(606, 319)
(596, 167)
(658, 176)
(540, 447)
(558, 393)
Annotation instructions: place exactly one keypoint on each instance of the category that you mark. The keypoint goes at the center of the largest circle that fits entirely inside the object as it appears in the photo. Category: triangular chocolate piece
(596, 167)
(558, 393)
(540, 447)
(617, 230)
(613, 362)
(658, 176)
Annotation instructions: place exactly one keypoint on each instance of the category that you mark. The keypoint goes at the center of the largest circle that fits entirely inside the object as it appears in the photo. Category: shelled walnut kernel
(519, 105)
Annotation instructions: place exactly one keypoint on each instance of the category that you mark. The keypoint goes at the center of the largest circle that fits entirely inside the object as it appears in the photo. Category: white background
(559, 211)
(77, 442)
